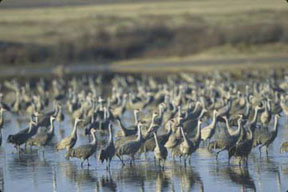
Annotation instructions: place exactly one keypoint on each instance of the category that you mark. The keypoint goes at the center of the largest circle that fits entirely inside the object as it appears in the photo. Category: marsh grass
(124, 31)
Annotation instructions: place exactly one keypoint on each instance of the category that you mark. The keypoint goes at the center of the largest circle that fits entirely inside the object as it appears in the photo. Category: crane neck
(110, 135)
(156, 140)
(170, 129)
(93, 142)
(239, 128)
(255, 118)
(183, 134)
(51, 130)
(251, 135)
(248, 109)
(30, 127)
(121, 124)
(214, 120)
(136, 118)
(196, 107)
(1, 115)
(231, 131)
(139, 137)
(202, 113)
(276, 124)
(198, 134)
(74, 132)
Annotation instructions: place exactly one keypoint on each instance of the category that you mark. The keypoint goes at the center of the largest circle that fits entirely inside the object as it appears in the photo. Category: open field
(114, 32)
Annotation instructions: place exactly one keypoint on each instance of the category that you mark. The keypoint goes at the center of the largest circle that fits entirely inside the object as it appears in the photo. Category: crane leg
(219, 152)
(260, 149)
(267, 151)
(121, 160)
(240, 161)
(82, 164)
(163, 164)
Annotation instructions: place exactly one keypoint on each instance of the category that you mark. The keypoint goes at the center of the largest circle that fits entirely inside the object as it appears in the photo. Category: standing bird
(208, 131)
(131, 147)
(43, 138)
(107, 153)
(229, 139)
(189, 146)
(268, 137)
(69, 141)
(243, 147)
(160, 152)
(150, 144)
(23, 136)
(83, 152)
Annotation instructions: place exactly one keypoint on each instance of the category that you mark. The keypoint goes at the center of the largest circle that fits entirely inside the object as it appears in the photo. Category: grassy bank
(116, 32)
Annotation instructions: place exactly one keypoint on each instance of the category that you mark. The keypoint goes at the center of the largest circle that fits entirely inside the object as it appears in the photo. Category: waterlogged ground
(33, 171)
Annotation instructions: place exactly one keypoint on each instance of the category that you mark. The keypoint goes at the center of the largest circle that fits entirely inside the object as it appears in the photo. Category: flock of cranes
(174, 114)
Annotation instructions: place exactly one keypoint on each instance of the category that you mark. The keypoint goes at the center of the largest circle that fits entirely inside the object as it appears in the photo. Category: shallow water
(35, 171)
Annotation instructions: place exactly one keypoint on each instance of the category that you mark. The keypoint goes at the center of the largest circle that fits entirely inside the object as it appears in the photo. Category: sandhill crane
(229, 139)
(189, 146)
(267, 137)
(208, 131)
(23, 136)
(160, 152)
(69, 141)
(243, 147)
(131, 147)
(83, 152)
(150, 144)
(107, 153)
(43, 138)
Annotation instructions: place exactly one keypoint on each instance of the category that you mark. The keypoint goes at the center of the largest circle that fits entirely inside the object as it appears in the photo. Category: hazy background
(34, 32)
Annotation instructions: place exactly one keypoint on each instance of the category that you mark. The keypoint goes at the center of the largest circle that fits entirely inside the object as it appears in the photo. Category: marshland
(143, 96)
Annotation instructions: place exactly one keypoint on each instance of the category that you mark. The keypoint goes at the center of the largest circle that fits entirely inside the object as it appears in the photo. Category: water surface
(35, 171)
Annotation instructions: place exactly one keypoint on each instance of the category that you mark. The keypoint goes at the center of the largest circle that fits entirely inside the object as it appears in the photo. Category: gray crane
(23, 136)
(189, 146)
(228, 139)
(208, 131)
(69, 141)
(160, 152)
(267, 137)
(243, 147)
(107, 153)
(85, 151)
(43, 138)
(150, 144)
(131, 147)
